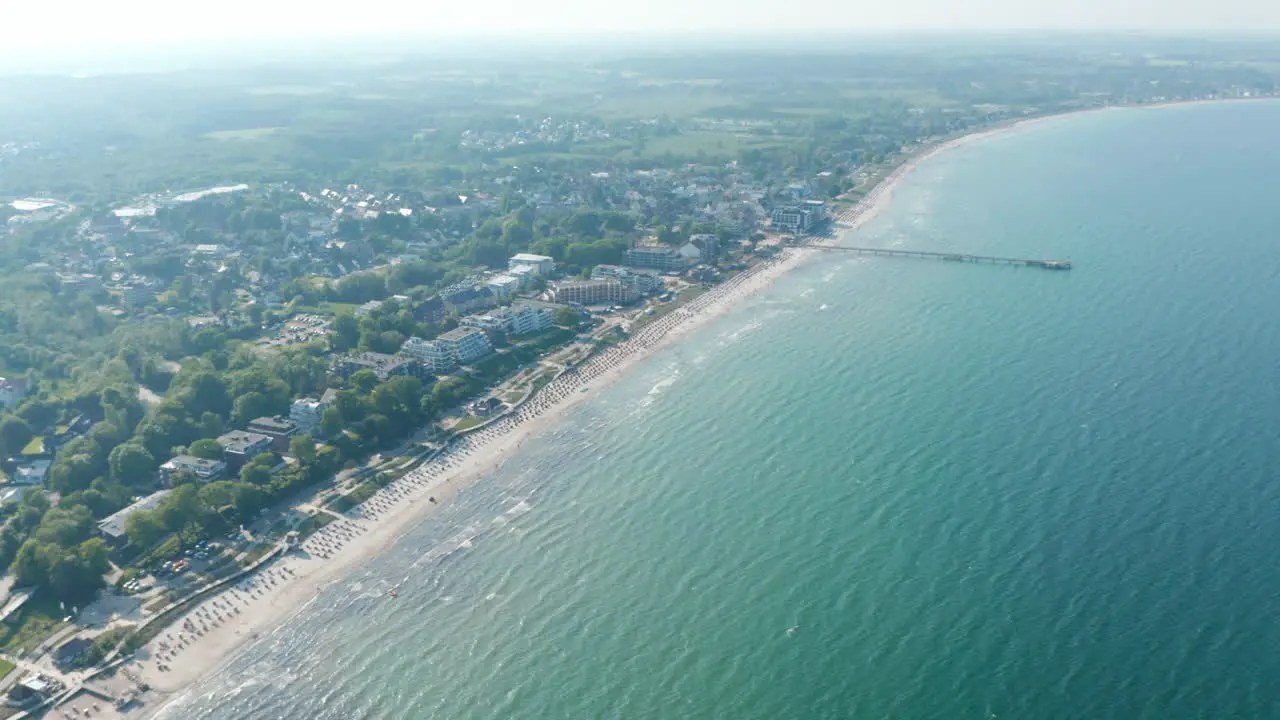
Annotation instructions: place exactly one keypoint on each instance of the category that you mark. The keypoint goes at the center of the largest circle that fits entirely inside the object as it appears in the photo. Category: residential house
(12, 391)
(280, 430)
(204, 469)
(485, 407)
(80, 283)
(701, 248)
(240, 446)
(32, 473)
(137, 294)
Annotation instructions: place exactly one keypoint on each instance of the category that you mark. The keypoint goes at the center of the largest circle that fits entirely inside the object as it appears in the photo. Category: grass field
(35, 447)
(32, 626)
(246, 134)
(337, 308)
(467, 423)
(6, 667)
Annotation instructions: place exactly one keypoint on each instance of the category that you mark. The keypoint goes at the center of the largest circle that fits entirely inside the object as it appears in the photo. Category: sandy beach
(195, 646)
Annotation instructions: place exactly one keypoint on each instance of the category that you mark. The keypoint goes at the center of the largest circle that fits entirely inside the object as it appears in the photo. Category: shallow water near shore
(884, 488)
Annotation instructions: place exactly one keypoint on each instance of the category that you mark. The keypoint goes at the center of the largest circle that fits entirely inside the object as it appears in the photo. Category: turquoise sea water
(886, 488)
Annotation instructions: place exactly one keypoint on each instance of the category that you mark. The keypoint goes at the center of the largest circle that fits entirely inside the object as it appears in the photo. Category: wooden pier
(953, 257)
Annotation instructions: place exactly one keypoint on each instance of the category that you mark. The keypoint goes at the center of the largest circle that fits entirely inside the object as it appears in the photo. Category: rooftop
(380, 364)
(239, 441)
(530, 258)
(276, 424)
(653, 249)
(113, 524)
(193, 461)
(459, 333)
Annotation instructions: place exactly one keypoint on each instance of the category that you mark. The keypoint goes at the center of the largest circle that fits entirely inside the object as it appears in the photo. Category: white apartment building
(593, 292)
(307, 413)
(526, 319)
(466, 344)
(542, 264)
(435, 355)
(524, 275)
(503, 286)
(642, 281)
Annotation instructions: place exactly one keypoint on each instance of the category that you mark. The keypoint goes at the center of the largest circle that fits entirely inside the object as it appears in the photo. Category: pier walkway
(954, 257)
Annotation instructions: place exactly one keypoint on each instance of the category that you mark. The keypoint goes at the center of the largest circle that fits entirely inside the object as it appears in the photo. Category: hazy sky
(57, 25)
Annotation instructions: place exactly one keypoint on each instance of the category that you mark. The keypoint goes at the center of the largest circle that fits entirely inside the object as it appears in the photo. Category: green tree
(132, 463)
(206, 448)
(207, 392)
(331, 422)
(15, 433)
(122, 407)
(248, 407)
(303, 447)
(346, 332)
(217, 495)
(144, 528)
(450, 392)
(399, 400)
(364, 381)
(248, 499)
(568, 317)
(254, 474)
(31, 564)
(180, 508)
(378, 428)
(210, 425)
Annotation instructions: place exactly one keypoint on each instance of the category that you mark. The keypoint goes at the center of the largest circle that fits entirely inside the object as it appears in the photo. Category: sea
(884, 488)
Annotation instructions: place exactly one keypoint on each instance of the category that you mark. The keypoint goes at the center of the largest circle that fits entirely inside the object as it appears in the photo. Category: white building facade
(527, 319)
(466, 344)
(307, 413)
(640, 280)
(504, 286)
(435, 355)
(542, 264)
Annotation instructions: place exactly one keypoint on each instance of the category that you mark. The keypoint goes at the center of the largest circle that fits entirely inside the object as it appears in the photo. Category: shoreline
(201, 642)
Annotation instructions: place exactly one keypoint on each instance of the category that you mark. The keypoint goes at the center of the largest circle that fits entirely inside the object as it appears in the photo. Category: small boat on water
(393, 594)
